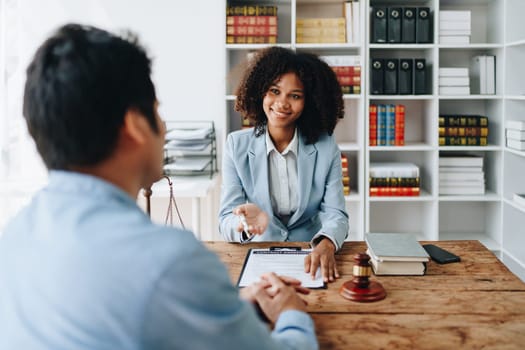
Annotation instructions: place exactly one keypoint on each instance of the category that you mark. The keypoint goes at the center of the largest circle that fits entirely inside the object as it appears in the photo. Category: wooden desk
(477, 303)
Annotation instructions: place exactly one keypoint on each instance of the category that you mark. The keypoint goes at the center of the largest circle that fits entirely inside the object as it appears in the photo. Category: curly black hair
(323, 97)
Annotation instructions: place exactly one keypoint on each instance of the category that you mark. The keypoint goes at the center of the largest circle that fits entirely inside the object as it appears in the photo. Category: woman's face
(284, 101)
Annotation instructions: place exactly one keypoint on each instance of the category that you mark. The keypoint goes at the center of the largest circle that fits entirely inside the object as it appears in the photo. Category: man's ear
(135, 126)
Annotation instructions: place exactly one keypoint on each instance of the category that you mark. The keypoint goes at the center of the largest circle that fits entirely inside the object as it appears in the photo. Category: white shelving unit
(497, 29)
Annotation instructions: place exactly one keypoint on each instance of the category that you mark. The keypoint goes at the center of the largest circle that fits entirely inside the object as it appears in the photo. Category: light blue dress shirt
(82, 267)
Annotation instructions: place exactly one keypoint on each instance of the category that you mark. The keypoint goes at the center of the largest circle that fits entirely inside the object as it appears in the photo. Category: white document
(282, 261)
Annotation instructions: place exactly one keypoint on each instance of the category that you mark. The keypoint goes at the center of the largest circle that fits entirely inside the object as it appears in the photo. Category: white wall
(185, 39)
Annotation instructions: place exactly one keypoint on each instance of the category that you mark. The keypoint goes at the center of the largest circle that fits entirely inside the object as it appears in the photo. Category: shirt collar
(292, 146)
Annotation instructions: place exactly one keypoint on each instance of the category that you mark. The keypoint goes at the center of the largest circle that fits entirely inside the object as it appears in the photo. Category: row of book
(396, 254)
(394, 179)
(320, 30)
(515, 134)
(454, 27)
(251, 24)
(461, 175)
(386, 125)
(346, 176)
(401, 25)
(393, 76)
(347, 68)
(463, 130)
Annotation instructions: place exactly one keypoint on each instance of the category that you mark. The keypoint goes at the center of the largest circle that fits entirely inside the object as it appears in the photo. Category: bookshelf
(493, 218)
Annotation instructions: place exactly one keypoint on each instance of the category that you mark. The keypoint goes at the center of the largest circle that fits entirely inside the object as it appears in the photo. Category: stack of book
(463, 130)
(515, 134)
(387, 125)
(396, 254)
(454, 27)
(483, 75)
(394, 179)
(346, 176)
(251, 24)
(352, 15)
(461, 175)
(347, 68)
(454, 81)
(320, 30)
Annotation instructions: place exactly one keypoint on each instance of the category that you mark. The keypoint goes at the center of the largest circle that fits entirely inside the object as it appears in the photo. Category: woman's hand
(256, 219)
(323, 254)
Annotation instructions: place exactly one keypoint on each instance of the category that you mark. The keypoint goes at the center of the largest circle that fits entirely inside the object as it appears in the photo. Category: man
(82, 267)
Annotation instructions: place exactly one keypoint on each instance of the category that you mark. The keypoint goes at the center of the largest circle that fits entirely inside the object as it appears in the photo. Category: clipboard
(285, 261)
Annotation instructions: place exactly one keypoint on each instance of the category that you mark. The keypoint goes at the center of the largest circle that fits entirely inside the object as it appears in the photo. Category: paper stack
(461, 175)
(454, 81)
(454, 27)
(515, 134)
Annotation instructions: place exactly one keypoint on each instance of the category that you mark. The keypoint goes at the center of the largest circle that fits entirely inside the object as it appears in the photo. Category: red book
(347, 70)
(349, 79)
(251, 20)
(399, 133)
(394, 191)
(251, 30)
(251, 39)
(372, 125)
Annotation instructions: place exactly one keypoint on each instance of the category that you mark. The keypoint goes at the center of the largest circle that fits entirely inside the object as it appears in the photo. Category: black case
(408, 25)
(423, 25)
(377, 74)
(440, 255)
(394, 25)
(378, 24)
(405, 83)
(420, 76)
(391, 67)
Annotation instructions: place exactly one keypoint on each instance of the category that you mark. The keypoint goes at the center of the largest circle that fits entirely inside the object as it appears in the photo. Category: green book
(395, 247)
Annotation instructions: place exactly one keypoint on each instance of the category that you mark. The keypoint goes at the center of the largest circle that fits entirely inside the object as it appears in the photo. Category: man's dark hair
(323, 96)
(80, 84)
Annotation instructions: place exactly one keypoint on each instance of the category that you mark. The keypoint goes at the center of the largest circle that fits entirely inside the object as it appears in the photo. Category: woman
(283, 178)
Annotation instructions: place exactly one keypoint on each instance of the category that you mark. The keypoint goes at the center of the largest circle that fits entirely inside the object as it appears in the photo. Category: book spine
(251, 30)
(399, 137)
(381, 125)
(251, 10)
(394, 181)
(463, 141)
(463, 120)
(351, 89)
(351, 71)
(321, 22)
(349, 80)
(463, 131)
(319, 39)
(390, 124)
(373, 125)
(251, 20)
(394, 191)
(251, 39)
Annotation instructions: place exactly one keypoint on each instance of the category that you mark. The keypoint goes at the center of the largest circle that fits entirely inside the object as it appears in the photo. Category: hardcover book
(413, 268)
(395, 247)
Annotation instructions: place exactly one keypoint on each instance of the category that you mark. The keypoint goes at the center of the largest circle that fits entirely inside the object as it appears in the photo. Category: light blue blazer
(321, 209)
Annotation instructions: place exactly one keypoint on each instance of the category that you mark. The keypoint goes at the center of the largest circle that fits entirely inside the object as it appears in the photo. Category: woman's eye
(296, 97)
(274, 91)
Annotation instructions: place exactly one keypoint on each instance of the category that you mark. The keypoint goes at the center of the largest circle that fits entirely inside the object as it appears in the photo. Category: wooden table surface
(477, 303)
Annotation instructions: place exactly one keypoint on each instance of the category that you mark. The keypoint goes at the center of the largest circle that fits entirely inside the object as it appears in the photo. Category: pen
(245, 228)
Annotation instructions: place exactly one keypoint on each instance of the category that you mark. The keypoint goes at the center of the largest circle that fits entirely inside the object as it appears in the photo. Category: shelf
(407, 147)
(335, 46)
(353, 197)
(487, 197)
(401, 97)
(474, 46)
(516, 152)
(348, 146)
(469, 97)
(352, 96)
(401, 46)
(515, 97)
(470, 148)
(514, 205)
(516, 43)
(423, 197)
(254, 46)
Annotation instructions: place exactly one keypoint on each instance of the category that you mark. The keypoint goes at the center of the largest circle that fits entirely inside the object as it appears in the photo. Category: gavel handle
(147, 193)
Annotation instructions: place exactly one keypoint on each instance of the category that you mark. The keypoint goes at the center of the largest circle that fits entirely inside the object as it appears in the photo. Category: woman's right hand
(256, 218)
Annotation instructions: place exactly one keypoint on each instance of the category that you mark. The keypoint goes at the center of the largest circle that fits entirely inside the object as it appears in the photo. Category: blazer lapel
(258, 163)
(305, 171)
